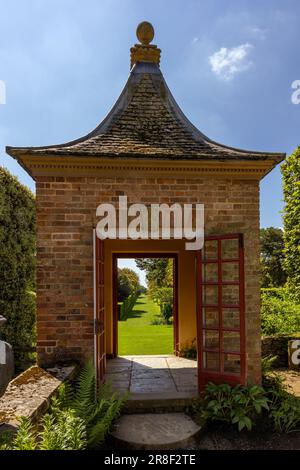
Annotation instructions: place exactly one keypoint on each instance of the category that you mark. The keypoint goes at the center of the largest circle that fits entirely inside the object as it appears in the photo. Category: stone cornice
(57, 166)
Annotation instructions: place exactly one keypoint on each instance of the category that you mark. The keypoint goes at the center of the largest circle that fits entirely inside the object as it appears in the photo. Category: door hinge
(98, 326)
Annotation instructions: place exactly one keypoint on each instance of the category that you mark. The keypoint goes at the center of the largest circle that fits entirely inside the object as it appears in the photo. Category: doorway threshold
(154, 381)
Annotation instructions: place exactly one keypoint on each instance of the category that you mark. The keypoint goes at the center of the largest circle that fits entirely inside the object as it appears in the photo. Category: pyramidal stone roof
(146, 122)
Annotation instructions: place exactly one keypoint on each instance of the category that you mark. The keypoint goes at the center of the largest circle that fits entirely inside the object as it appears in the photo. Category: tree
(124, 286)
(169, 273)
(133, 277)
(157, 271)
(159, 276)
(128, 283)
(272, 257)
(163, 296)
(291, 191)
(17, 266)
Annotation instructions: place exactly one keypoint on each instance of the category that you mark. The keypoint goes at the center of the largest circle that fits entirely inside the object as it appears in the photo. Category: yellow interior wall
(186, 282)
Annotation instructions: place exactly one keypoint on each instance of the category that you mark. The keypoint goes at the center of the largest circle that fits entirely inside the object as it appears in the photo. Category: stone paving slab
(139, 373)
(163, 374)
(156, 363)
(175, 362)
(148, 388)
(120, 365)
(155, 431)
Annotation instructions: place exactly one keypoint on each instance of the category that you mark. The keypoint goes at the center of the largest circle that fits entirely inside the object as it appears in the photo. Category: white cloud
(259, 33)
(227, 62)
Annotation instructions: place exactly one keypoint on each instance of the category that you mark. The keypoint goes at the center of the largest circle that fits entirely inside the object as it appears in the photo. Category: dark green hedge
(291, 216)
(17, 266)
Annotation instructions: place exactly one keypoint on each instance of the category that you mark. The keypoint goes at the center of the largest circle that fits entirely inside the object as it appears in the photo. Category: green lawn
(136, 335)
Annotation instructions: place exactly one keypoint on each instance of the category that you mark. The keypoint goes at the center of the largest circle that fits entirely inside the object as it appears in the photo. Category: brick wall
(66, 208)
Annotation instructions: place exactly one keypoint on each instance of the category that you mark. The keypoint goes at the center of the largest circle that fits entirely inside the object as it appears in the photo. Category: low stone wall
(29, 394)
(277, 345)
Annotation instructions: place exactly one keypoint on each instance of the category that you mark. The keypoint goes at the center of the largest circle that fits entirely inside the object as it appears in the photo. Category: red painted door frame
(115, 257)
(99, 310)
(220, 376)
(204, 375)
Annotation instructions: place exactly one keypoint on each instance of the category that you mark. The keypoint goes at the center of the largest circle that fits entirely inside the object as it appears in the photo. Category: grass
(137, 336)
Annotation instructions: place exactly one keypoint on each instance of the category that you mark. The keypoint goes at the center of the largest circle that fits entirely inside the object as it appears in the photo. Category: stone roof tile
(146, 122)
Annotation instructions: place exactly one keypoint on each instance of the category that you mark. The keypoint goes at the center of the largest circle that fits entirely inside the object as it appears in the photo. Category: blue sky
(130, 263)
(229, 64)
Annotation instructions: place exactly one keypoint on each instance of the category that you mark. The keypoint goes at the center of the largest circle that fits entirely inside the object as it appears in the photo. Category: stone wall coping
(29, 394)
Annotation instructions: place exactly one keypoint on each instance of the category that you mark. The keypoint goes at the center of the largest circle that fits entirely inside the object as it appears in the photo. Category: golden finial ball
(145, 33)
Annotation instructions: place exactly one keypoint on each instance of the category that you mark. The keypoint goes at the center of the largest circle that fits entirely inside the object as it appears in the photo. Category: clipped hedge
(127, 305)
(279, 312)
(17, 266)
(291, 217)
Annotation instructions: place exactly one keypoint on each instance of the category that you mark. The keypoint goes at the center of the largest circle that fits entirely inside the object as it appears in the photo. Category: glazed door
(99, 312)
(221, 310)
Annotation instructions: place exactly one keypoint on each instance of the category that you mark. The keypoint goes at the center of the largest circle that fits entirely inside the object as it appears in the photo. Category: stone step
(152, 431)
(158, 402)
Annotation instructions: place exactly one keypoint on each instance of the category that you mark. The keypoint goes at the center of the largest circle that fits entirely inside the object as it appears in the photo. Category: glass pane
(210, 339)
(231, 341)
(232, 364)
(230, 272)
(210, 317)
(231, 318)
(210, 295)
(211, 361)
(210, 249)
(230, 249)
(230, 295)
(210, 272)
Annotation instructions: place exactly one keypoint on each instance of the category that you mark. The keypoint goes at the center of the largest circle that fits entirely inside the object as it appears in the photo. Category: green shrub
(25, 438)
(17, 267)
(158, 320)
(284, 407)
(286, 415)
(20, 330)
(279, 312)
(239, 406)
(242, 406)
(64, 431)
(163, 297)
